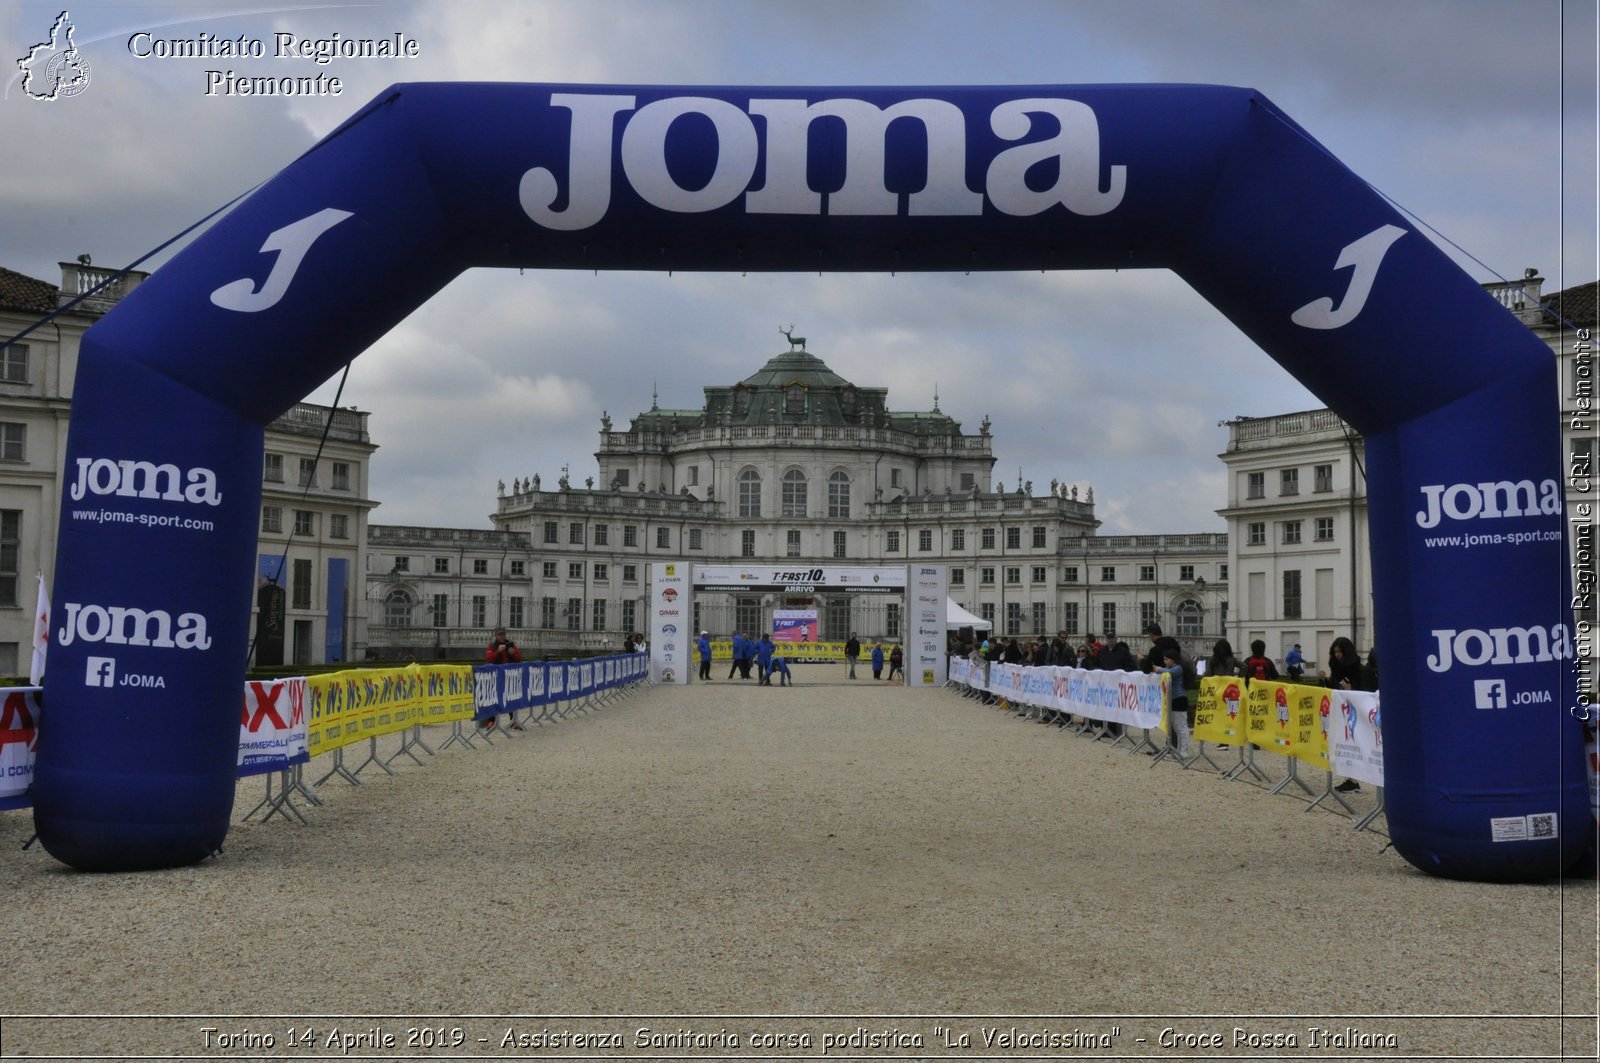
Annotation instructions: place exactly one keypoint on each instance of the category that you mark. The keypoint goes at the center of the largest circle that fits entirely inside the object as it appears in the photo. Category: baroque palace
(792, 466)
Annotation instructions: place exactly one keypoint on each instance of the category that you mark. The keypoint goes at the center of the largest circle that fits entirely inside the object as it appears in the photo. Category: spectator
(896, 659)
(501, 650)
(852, 652)
(1160, 645)
(1222, 661)
(877, 661)
(1294, 663)
(1258, 665)
(1344, 673)
(704, 646)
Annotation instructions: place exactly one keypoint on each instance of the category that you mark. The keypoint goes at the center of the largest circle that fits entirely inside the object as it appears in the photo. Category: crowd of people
(1345, 669)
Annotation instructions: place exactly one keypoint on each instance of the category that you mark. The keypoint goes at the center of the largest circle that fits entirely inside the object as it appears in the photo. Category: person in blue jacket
(781, 666)
(738, 654)
(764, 650)
(704, 646)
(877, 661)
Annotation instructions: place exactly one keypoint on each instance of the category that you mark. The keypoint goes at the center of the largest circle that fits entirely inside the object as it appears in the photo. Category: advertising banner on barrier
(1130, 698)
(1355, 736)
(19, 737)
(273, 726)
(1286, 718)
(1219, 712)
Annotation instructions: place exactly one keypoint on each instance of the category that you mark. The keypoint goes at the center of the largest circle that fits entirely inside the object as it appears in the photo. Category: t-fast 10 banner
(175, 385)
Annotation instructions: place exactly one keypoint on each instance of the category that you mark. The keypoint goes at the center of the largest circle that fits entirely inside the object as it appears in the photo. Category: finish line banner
(736, 579)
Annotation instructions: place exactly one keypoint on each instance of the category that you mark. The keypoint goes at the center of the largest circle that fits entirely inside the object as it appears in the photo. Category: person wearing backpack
(1258, 665)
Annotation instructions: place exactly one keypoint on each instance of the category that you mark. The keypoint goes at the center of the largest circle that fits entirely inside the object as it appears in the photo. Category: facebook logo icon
(102, 672)
(1490, 693)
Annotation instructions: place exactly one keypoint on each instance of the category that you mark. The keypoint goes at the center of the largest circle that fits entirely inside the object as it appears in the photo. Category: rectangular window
(1038, 538)
(574, 569)
(305, 522)
(1108, 619)
(694, 477)
(1013, 574)
(1255, 485)
(891, 619)
(630, 615)
(630, 573)
(630, 535)
(1147, 573)
(441, 566)
(663, 538)
(1147, 614)
(549, 569)
(1069, 617)
(1256, 533)
(986, 539)
(958, 577)
(480, 610)
(958, 539)
(598, 620)
(986, 575)
(1291, 532)
(308, 472)
(402, 564)
(1186, 573)
(892, 542)
(968, 481)
(602, 572)
(602, 534)
(300, 584)
(519, 568)
(272, 469)
(547, 612)
(1038, 573)
(696, 539)
(1039, 618)
(551, 531)
(1108, 573)
(1222, 571)
(747, 543)
(924, 540)
(894, 477)
(13, 442)
(1322, 478)
(440, 610)
(575, 532)
(1291, 594)
(1324, 530)
(1069, 574)
(986, 610)
(338, 526)
(747, 614)
(14, 364)
(574, 612)
(792, 542)
(341, 476)
(1013, 618)
(838, 544)
(623, 477)
(10, 554)
(1288, 481)
(272, 519)
(1013, 538)
(514, 611)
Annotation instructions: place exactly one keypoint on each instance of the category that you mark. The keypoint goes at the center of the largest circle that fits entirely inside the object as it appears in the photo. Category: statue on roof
(605, 421)
(794, 341)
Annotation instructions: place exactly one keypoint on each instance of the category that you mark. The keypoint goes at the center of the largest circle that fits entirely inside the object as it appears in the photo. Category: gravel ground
(832, 857)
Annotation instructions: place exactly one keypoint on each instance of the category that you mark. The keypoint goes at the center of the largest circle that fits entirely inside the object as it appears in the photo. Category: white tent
(957, 617)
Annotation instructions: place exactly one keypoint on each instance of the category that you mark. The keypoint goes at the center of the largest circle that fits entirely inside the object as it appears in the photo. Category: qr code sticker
(1542, 825)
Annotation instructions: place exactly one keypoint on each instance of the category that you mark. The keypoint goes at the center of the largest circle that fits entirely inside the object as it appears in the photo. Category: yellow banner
(790, 651)
(447, 692)
(1288, 718)
(371, 702)
(1220, 712)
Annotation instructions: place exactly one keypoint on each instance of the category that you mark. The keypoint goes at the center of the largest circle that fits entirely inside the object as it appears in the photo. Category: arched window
(749, 493)
(741, 402)
(397, 609)
(1190, 618)
(794, 493)
(839, 494)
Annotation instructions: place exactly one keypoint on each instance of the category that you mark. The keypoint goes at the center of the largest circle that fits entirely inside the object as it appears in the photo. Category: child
(1177, 704)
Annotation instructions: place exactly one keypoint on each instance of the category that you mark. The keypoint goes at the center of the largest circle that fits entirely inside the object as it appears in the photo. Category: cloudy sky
(1478, 117)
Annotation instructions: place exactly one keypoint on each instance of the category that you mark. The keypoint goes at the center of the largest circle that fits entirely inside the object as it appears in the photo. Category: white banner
(19, 735)
(1130, 698)
(857, 580)
(272, 726)
(671, 616)
(926, 600)
(1355, 736)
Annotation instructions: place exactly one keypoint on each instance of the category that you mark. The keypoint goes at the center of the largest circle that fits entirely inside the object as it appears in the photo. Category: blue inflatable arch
(1456, 399)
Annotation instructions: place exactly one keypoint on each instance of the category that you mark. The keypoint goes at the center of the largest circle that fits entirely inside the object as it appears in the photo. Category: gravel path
(848, 849)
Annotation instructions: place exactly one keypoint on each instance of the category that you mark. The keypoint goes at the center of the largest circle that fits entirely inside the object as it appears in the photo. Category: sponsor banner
(794, 625)
(926, 623)
(447, 692)
(1130, 698)
(19, 737)
(272, 726)
(1355, 736)
(670, 608)
(856, 580)
(1219, 711)
(1287, 718)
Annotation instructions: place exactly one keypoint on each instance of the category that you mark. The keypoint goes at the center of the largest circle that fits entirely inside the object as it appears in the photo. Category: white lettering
(1502, 498)
(144, 479)
(1501, 645)
(1075, 149)
(124, 626)
(589, 162)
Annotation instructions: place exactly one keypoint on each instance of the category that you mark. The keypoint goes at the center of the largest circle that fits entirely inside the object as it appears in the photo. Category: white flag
(41, 634)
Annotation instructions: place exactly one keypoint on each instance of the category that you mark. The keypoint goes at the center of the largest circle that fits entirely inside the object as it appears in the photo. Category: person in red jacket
(501, 651)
